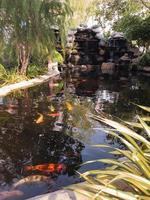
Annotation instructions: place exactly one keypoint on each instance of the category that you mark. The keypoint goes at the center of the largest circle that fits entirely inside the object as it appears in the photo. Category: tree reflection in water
(25, 143)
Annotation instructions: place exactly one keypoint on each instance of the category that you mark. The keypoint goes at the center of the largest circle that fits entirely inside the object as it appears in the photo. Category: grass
(13, 76)
(34, 71)
(127, 178)
(10, 76)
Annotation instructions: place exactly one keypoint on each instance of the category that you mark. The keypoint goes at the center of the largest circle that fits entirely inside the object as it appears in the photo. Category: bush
(34, 70)
(10, 76)
(145, 60)
(57, 57)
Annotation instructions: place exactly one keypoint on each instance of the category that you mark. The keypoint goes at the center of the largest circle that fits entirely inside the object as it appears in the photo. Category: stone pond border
(29, 83)
(61, 195)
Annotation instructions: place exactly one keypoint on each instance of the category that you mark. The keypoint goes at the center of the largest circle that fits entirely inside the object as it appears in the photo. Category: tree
(80, 11)
(113, 10)
(135, 28)
(29, 26)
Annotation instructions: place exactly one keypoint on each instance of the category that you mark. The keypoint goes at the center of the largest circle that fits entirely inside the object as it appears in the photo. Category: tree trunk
(23, 58)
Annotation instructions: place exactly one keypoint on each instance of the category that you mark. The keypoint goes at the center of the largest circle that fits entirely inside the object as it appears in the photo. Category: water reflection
(49, 126)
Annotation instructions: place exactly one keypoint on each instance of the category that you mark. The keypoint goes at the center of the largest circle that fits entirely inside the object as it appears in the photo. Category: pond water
(45, 132)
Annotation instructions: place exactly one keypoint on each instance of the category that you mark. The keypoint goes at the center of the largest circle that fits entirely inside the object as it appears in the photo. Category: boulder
(61, 195)
(146, 69)
(135, 61)
(96, 29)
(135, 51)
(53, 67)
(125, 58)
(102, 43)
(99, 36)
(101, 52)
(108, 68)
(117, 35)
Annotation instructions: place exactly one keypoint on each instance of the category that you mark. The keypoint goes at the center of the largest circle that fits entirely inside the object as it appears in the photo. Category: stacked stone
(88, 49)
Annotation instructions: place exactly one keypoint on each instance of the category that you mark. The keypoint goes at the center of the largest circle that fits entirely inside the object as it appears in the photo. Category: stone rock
(83, 68)
(99, 36)
(108, 68)
(61, 195)
(125, 57)
(117, 35)
(53, 67)
(96, 29)
(102, 52)
(135, 61)
(136, 51)
(146, 69)
(123, 79)
(102, 43)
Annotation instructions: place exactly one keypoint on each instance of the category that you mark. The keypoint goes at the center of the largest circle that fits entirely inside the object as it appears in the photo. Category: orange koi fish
(40, 119)
(49, 168)
(54, 115)
(69, 106)
(51, 107)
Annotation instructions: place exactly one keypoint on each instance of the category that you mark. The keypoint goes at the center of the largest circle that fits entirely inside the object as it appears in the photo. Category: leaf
(136, 125)
(110, 191)
(145, 126)
(40, 119)
(51, 107)
(123, 129)
(118, 163)
(146, 108)
(124, 153)
(147, 119)
(69, 106)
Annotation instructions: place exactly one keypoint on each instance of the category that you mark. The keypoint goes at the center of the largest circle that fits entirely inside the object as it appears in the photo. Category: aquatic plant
(124, 178)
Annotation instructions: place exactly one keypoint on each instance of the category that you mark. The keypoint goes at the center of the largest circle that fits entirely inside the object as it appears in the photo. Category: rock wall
(88, 49)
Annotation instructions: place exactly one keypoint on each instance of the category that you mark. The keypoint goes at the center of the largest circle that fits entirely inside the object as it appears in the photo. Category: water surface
(48, 124)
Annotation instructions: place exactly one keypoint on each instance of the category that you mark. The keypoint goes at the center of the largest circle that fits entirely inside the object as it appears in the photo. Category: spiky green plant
(35, 70)
(124, 178)
(10, 76)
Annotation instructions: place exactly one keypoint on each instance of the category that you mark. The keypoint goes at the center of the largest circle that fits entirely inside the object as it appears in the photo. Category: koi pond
(46, 132)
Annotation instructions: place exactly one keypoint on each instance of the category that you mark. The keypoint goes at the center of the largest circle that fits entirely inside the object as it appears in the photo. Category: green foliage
(10, 76)
(128, 177)
(136, 28)
(113, 10)
(3, 71)
(35, 70)
(4, 117)
(57, 57)
(80, 11)
(128, 16)
(145, 60)
(29, 26)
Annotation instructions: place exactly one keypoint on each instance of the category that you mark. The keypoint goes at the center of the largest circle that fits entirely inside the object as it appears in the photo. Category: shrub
(10, 76)
(35, 70)
(145, 60)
